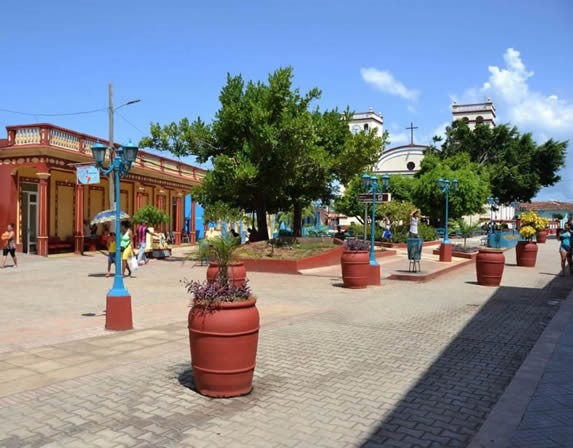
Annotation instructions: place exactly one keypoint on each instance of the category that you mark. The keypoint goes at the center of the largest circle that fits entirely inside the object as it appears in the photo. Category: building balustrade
(57, 137)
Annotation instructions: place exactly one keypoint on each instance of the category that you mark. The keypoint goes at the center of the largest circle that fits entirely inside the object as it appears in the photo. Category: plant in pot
(220, 252)
(223, 334)
(355, 263)
(526, 250)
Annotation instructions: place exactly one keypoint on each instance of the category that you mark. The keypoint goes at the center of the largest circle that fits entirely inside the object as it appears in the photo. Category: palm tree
(463, 228)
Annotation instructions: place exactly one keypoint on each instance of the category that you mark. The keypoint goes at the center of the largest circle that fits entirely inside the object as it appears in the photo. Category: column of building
(43, 214)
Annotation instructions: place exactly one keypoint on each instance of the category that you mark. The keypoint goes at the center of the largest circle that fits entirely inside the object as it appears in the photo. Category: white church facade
(406, 159)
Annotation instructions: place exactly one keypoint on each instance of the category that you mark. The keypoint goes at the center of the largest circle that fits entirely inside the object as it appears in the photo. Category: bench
(59, 245)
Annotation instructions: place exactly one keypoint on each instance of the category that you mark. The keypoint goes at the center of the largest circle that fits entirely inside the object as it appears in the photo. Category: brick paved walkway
(399, 365)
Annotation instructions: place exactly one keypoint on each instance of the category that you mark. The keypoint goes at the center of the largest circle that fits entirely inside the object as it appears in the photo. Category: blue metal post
(446, 238)
(118, 288)
(373, 261)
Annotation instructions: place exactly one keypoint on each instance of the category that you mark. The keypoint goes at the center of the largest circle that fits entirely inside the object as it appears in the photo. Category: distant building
(407, 159)
(42, 195)
(474, 114)
(365, 121)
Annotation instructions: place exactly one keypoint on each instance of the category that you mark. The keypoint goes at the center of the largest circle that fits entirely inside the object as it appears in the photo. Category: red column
(79, 220)
(43, 213)
(138, 200)
(177, 230)
(192, 236)
(161, 206)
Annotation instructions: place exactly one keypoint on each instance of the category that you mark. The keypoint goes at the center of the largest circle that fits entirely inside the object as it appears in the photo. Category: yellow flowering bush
(527, 232)
(531, 223)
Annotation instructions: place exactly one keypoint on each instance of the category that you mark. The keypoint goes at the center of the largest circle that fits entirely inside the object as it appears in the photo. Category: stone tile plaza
(442, 363)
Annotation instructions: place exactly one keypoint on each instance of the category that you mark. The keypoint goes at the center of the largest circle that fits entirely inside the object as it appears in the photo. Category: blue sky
(406, 59)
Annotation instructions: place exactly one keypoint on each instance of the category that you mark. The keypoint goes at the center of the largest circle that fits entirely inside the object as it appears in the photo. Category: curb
(505, 417)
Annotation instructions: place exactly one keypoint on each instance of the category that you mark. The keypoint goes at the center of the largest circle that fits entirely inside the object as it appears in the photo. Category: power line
(131, 124)
(53, 115)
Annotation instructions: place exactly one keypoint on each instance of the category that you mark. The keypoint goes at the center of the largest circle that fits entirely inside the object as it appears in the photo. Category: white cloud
(384, 81)
(531, 111)
(543, 114)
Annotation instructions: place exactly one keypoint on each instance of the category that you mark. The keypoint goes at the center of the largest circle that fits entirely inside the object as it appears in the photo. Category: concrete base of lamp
(374, 275)
(446, 252)
(118, 313)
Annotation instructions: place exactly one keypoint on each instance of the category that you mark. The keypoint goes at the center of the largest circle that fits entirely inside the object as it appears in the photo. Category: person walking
(9, 246)
(142, 231)
(565, 248)
(126, 247)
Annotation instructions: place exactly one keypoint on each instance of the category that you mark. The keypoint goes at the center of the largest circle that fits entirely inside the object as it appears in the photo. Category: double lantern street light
(370, 184)
(118, 304)
(445, 186)
(493, 202)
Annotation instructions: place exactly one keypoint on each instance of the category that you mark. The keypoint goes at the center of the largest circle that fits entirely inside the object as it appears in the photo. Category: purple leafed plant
(355, 245)
(211, 295)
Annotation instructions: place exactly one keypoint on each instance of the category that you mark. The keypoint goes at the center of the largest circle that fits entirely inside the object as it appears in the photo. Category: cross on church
(412, 127)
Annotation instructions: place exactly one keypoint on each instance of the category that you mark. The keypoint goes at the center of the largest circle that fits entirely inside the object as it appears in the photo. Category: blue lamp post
(446, 185)
(492, 201)
(515, 206)
(370, 184)
(118, 310)
(317, 205)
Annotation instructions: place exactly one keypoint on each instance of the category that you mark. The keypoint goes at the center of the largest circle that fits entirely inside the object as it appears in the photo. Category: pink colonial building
(41, 196)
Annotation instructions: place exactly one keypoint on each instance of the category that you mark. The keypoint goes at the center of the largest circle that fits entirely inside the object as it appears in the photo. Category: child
(110, 253)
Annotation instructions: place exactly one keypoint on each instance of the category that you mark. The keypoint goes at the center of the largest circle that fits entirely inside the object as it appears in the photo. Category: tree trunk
(262, 229)
(297, 220)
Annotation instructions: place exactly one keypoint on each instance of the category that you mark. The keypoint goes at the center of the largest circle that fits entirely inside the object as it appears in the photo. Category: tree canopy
(270, 150)
(518, 168)
(470, 196)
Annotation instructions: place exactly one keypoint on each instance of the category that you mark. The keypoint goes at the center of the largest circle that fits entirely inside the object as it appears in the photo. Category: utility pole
(110, 177)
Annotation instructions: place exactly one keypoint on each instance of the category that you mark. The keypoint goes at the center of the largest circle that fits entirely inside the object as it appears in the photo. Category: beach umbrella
(108, 216)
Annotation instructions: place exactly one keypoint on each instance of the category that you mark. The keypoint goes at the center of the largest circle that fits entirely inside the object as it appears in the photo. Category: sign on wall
(87, 174)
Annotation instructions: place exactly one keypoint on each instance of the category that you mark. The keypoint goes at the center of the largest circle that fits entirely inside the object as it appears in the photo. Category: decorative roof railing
(54, 136)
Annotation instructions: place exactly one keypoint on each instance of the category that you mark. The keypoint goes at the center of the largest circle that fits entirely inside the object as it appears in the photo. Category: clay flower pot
(526, 253)
(355, 268)
(236, 273)
(489, 267)
(224, 348)
(541, 236)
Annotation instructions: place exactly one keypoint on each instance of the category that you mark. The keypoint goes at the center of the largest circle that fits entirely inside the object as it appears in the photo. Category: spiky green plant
(464, 228)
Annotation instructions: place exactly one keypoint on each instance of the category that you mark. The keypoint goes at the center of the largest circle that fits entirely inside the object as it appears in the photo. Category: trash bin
(414, 253)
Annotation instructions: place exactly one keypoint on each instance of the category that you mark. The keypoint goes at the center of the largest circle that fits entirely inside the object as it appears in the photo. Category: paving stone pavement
(401, 365)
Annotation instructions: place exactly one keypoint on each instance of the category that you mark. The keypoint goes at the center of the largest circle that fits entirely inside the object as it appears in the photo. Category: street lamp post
(445, 186)
(118, 302)
(492, 201)
(317, 205)
(370, 183)
(515, 206)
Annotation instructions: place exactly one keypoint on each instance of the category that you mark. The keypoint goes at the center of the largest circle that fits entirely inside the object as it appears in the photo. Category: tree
(472, 192)
(269, 150)
(151, 215)
(518, 168)
(464, 228)
(398, 209)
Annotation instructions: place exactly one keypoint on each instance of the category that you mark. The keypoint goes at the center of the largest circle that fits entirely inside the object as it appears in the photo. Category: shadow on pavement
(450, 402)
(186, 379)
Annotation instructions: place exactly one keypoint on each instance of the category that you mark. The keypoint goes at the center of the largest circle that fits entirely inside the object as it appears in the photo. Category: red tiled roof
(546, 205)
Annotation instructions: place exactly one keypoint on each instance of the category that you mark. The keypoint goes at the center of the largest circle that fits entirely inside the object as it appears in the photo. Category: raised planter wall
(405, 245)
(276, 266)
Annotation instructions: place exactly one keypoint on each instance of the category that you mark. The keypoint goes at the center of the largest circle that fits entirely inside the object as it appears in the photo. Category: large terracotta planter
(355, 268)
(541, 236)
(224, 348)
(526, 253)
(489, 267)
(236, 273)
